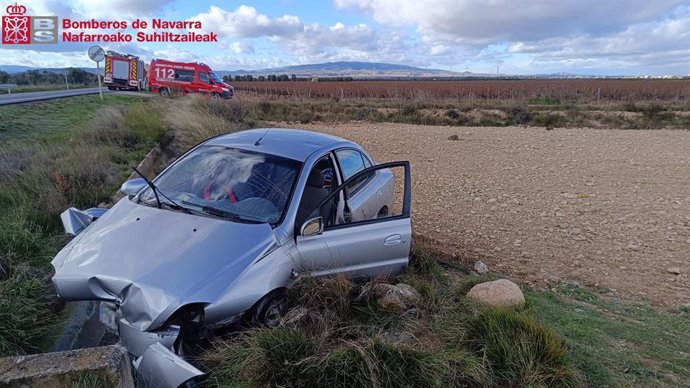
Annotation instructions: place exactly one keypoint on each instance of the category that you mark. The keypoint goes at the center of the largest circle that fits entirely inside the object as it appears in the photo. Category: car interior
(320, 183)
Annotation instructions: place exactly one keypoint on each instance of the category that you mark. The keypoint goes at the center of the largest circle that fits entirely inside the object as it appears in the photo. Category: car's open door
(334, 239)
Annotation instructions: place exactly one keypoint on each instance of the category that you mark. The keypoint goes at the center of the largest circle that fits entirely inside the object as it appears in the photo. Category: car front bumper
(154, 359)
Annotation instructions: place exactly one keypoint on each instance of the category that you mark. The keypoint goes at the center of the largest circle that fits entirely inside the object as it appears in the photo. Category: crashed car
(219, 235)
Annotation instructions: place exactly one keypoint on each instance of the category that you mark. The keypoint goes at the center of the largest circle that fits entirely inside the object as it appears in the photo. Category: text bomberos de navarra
(156, 31)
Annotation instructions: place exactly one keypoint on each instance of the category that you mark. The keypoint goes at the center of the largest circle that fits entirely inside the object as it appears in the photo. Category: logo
(18, 28)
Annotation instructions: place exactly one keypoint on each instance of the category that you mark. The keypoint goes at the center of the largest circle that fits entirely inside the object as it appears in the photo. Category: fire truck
(168, 77)
(124, 72)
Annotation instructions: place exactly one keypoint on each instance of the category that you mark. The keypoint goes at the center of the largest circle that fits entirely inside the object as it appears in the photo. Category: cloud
(242, 48)
(119, 9)
(247, 22)
(480, 22)
(662, 44)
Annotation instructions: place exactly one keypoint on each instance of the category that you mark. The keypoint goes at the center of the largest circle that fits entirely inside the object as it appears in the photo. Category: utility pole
(65, 73)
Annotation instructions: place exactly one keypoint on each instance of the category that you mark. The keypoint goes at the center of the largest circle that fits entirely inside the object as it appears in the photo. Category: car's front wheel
(270, 309)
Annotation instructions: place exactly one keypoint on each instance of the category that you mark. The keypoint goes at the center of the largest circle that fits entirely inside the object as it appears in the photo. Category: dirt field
(605, 208)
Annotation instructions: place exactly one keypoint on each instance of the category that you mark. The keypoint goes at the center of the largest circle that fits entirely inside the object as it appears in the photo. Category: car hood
(151, 261)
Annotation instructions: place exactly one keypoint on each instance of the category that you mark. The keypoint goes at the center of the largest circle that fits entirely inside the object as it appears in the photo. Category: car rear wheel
(270, 309)
(164, 92)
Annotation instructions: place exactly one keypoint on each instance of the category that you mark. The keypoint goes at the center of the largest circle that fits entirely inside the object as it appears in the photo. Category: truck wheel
(111, 87)
(165, 92)
(215, 95)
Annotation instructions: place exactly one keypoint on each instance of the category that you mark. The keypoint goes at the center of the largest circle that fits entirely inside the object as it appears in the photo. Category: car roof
(294, 144)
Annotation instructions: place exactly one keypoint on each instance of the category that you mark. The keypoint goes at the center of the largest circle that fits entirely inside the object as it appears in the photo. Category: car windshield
(216, 78)
(230, 183)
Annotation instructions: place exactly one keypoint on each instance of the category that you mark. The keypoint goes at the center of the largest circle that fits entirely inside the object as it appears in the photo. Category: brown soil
(606, 208)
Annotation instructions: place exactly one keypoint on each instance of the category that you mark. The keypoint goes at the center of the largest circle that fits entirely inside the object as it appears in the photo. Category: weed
(519, 114)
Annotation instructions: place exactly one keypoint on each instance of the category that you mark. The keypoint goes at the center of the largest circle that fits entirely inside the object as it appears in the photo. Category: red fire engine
(167, 77)
(124, 72)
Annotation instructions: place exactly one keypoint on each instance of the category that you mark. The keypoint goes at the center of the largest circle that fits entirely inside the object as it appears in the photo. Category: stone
(68, 368)
(673, 270)
(498, 293)
(480, 268)
(396, 298)
(409, 295)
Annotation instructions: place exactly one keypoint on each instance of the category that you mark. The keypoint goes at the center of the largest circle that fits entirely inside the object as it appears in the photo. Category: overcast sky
(611, 37)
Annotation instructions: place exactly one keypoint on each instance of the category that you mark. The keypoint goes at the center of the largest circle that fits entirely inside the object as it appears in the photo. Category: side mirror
(133, 186)
(312, 227)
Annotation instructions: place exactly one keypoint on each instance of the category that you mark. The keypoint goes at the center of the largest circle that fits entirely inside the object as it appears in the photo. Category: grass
(618, 343)
(54, 119)
(336, 335)
(541, 112)
(56, 154)
(42, 88)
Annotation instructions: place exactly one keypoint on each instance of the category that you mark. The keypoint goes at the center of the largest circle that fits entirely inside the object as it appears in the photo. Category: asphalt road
(18, 98)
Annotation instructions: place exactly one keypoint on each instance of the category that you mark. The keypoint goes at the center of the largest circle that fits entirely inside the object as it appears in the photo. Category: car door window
(351, 162)
(387, 196)
(203, 77)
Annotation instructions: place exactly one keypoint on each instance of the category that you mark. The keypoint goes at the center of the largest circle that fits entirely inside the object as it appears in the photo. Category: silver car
(221, 233)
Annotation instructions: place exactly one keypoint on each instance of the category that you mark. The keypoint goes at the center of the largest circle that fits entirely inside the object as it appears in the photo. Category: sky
(593, 37)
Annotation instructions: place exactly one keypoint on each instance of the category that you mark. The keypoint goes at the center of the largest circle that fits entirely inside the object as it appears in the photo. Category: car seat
(313, 194)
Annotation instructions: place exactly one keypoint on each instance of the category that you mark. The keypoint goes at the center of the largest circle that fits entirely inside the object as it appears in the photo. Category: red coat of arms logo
(16, 28)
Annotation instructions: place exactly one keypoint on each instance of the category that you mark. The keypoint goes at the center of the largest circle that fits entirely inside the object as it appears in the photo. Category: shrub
(453, 114)
(520, 351)
(519, 115)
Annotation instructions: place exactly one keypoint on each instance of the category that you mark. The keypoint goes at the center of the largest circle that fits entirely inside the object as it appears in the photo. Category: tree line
(44, 77)
(281, 78)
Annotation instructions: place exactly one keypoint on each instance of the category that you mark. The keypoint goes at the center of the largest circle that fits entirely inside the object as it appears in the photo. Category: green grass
(42, 88)
(618, 343)
(336, 335)
(56, 154)
(54, 119)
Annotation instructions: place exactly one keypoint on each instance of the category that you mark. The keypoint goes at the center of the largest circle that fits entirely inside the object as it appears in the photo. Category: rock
(397, 298)
(480, 268)
(69, 368)
(409, 294)
(673, 270)
(498, 293)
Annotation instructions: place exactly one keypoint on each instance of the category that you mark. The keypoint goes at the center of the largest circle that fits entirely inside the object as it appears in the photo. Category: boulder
(498, 293)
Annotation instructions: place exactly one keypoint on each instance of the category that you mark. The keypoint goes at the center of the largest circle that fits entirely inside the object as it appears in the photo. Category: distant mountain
(350, 69)
(14, 69)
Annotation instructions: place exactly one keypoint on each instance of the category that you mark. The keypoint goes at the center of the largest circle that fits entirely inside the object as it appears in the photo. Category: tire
(111, 87)
(270, 309)
(215, 96)
(165, 92)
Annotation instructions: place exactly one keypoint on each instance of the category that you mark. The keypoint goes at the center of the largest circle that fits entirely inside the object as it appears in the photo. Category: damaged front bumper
(153, 354)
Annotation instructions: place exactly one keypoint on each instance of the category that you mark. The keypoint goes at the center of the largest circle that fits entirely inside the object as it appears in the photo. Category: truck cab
(168, 77)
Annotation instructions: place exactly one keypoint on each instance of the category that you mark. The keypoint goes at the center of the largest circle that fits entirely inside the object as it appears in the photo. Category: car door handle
(393, 239)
